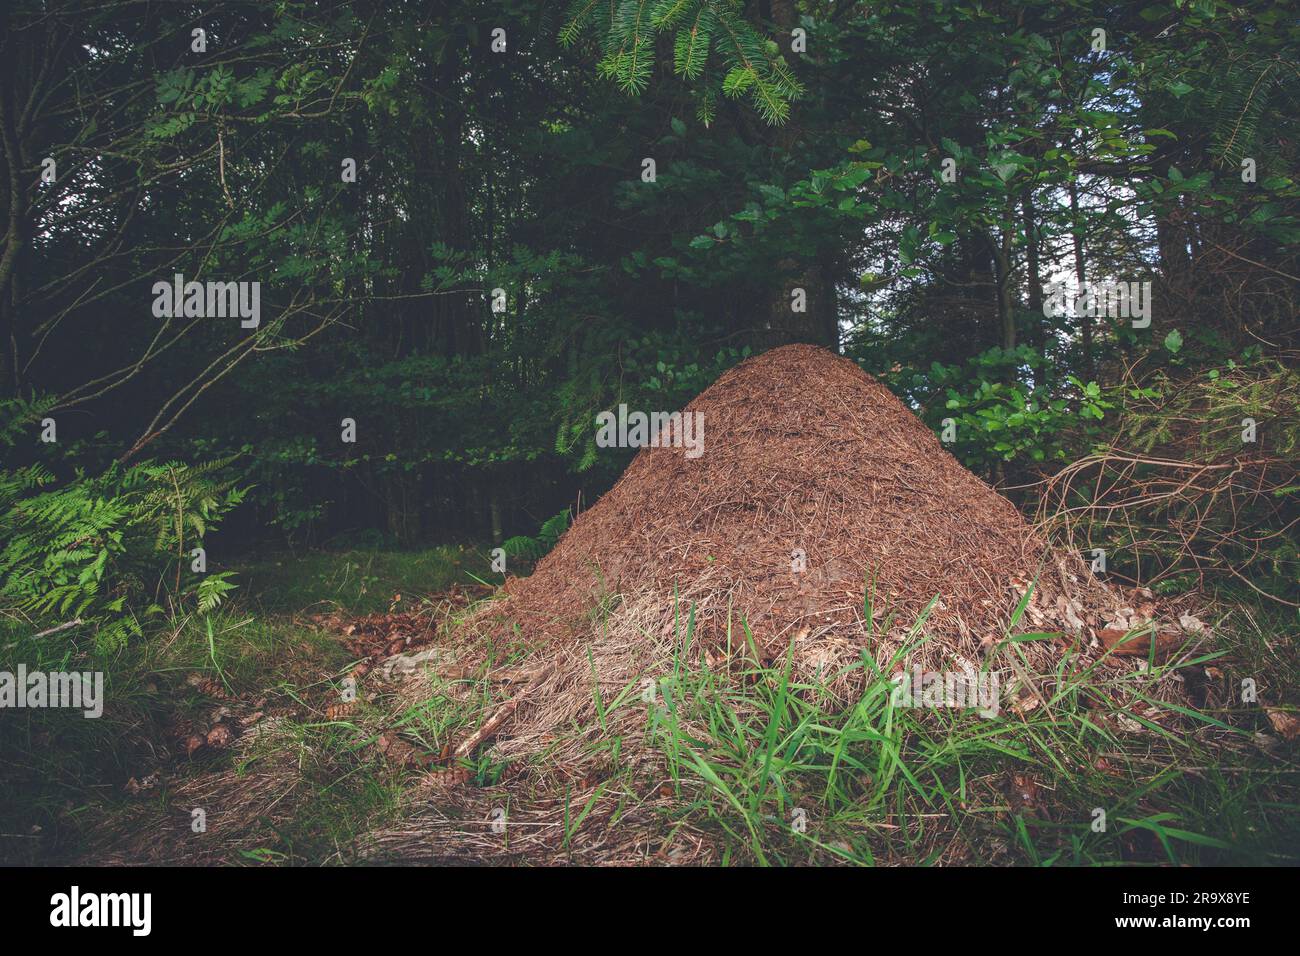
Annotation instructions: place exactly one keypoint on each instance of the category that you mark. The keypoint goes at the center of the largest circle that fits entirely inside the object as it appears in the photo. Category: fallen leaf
(1128, 724)
(395, 749)
(1139, 645)
(1022, 793)
(1025, 705)
(1286, 724)
(134, 786)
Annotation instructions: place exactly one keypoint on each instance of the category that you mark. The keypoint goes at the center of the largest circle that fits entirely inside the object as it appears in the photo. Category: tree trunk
(1081, 274)
(494, 506)
(816, 325)
(1034, 281)
(15, 238)
(1002, 274)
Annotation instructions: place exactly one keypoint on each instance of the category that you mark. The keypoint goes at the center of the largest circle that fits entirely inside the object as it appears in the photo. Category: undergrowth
(780, 773)
(767, 769)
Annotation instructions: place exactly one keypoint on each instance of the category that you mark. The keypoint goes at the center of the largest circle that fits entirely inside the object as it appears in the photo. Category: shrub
(1180, 495)
(109, 549)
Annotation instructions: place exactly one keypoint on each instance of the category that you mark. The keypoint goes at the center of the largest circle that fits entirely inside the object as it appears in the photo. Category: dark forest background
(795, 146)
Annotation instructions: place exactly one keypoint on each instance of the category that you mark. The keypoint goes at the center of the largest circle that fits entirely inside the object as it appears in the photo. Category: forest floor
(236, 739)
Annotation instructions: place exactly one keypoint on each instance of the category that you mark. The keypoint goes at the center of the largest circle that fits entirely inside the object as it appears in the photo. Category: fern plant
(706, 33)
(531, 549)
(102, 549)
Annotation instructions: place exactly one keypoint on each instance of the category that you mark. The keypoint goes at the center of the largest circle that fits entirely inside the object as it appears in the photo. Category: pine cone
(448, 777)
(342, 709)
(207, 686)
(220, 736)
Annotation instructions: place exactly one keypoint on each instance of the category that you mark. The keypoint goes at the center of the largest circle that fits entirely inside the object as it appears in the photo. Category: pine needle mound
(655, 591)
(803, 451)
(686, 563)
